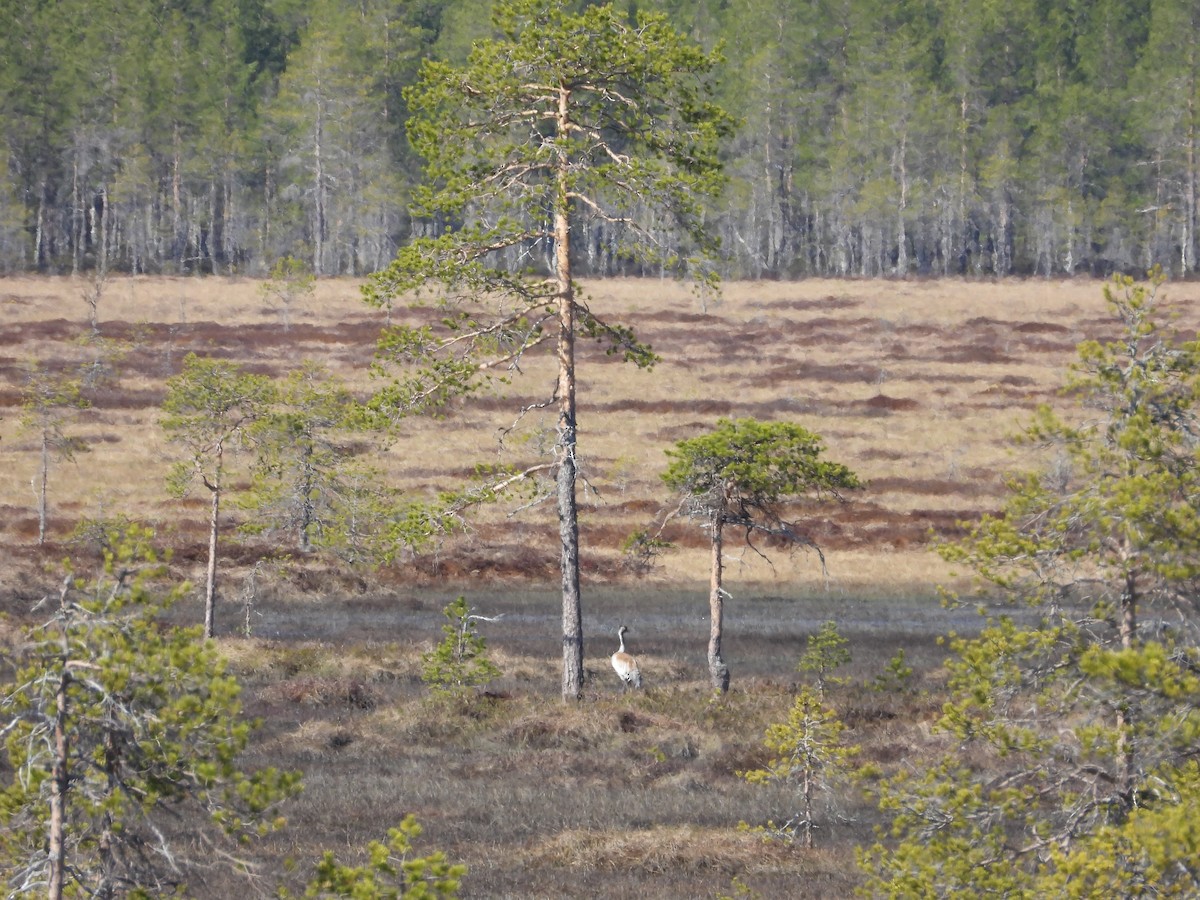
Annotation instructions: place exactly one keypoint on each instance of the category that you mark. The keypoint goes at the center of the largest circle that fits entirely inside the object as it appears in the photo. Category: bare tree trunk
(76, 217)
(56, 855)
(39, 237)
(105, 233)
(808, 805)
(568, 513)
(717, 668)
(179, 239)
(44, 476)
(308, 513)
(319, 191)
(1188, 262)
(210, 592)
(902, 212)
(958, 230)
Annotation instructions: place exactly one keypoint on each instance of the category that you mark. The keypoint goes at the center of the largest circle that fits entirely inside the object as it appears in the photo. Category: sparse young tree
(307, 478)
(92, 295)
(122, 739)
(372, 524)
(460, 662)
(50, 401)
(809, 752)
(210, 408)
(291, 284)
(392, 872)
(563, 121)
(300, 453)
(1077, 721)
(827, 650)
(742, 475)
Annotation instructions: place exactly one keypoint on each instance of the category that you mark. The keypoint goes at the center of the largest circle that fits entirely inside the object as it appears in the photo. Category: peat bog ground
(915, 385)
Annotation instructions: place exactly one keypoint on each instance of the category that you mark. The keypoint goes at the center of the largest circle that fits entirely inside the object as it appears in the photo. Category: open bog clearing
(916, 386)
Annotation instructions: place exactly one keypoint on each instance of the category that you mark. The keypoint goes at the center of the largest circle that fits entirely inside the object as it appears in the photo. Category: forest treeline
(932, 137)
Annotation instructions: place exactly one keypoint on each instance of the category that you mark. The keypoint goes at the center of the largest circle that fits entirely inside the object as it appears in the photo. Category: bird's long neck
(621, 637)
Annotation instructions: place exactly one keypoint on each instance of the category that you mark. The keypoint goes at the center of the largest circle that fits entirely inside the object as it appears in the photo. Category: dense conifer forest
(920, 137)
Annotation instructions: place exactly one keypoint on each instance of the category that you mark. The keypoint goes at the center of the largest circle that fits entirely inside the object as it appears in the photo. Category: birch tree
(561, 119)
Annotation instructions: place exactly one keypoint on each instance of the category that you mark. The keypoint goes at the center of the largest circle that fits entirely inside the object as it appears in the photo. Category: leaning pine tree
(562, 121)
(1075, 713)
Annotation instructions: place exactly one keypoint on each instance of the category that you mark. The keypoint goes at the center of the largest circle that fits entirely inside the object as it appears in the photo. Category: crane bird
(625, 665)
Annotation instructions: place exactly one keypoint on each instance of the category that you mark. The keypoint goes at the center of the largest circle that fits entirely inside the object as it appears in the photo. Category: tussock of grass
(661, 850)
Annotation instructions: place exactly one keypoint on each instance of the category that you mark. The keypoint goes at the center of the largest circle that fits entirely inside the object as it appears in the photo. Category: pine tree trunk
(568, 513)
(717, 668)
(808, 805)
(39, 236)
(1125, 715)
(319, 191)
(177, 235)
(42, 490)
(902, 212)
(76, 217)
(308, 513)
(210, 592)
(1188, 262)
(105, 232)
(56, 853)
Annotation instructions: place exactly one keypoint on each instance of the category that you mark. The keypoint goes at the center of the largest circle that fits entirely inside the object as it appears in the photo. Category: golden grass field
(914, 385)
(917, 386)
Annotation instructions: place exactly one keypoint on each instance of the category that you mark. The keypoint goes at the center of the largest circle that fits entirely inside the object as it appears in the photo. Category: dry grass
(915, 385)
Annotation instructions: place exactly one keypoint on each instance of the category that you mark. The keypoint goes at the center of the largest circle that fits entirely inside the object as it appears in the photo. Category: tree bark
(568, 513)
(308, 513)
(56, 855)
(210, 591)
(39, 236)
(319, 188)
(717, 668)
(1127, 772)
(808, 804)
(177, 229)
(44, 475)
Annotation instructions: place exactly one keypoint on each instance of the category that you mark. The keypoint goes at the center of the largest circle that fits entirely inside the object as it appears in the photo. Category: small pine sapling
(291, 284)
(392, 872)
(640, 550)
(809, 752)
(460, 662)
(50, 402)
(826, 652)
(896, 677)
